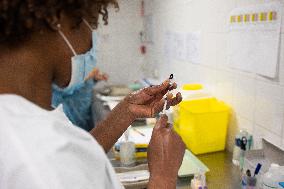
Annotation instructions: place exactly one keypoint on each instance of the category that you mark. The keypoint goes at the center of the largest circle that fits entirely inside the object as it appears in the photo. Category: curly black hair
(20, 18)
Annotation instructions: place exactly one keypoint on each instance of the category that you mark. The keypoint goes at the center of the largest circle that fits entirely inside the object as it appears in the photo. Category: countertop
(223, 174)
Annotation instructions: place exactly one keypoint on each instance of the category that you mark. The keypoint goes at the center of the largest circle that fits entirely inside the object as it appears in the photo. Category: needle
(138, 132)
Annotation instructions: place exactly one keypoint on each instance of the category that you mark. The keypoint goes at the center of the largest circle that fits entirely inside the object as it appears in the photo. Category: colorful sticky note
(254, 17)
(247, 18)
(233, 19)
(263, 16)
(240, 18)
(272, 15)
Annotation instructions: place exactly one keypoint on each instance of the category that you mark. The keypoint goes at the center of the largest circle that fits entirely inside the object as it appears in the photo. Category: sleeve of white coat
(43, 150)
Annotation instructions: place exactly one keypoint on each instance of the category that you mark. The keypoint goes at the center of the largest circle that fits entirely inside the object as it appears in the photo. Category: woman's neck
(27, 70)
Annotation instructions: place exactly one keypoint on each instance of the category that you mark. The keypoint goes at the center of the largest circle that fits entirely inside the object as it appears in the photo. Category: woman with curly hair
(34, 16)
(39, 147)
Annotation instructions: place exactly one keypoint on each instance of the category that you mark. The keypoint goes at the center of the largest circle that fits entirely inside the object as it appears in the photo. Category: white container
(194, 91)
(273, 177)
(127, 153)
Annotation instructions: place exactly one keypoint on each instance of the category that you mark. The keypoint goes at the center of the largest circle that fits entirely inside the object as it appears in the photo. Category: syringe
(166, 102)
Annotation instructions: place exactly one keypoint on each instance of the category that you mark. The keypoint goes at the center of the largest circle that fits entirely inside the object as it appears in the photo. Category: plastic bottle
(127, 151)
(237, 147)
(272, 178)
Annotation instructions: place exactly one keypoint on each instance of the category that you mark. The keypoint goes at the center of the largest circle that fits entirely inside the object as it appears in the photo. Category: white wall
(119, 43)
(258, 102)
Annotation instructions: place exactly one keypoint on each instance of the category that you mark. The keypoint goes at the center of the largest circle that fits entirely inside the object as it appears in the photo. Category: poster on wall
(183, 46)
(193, 47)
(254, 39)
(168, 49)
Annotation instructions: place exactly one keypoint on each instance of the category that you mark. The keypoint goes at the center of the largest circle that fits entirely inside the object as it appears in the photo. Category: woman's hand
(149, 101)
(165, 155)
(144, 103)
(96, 75)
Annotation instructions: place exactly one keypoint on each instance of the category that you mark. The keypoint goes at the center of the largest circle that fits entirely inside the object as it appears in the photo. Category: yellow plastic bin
(202, 124)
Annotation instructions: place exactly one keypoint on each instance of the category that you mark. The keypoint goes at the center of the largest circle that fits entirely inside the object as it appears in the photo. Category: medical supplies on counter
(273, 177)
(199, 181)
(141, 136)
(136, 177)
(249, 181)
(243, 143)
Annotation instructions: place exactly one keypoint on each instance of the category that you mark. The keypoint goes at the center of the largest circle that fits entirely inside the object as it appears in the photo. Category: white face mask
(83, 64)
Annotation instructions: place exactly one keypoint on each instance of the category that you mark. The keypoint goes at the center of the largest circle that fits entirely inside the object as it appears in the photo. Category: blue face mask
(76, 98)
(83, 64)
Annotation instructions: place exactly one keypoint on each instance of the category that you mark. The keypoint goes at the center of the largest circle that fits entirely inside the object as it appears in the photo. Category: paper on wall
(193, 47)
(168, 38)
(254, 39)
(183, 46)
(178, 46)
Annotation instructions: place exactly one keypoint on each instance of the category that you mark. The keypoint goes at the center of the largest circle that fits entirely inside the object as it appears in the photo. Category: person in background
(77, 99)
(40, 148)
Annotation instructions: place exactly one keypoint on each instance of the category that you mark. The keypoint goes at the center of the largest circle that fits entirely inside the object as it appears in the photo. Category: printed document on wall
(193, 47)
(183, 46)
(254, 39)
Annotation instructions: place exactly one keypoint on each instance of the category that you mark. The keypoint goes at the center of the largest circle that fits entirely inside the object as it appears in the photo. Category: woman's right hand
(96, 75)
(165, 155)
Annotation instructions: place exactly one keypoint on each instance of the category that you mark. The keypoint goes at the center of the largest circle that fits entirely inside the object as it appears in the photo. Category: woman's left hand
(149, 101)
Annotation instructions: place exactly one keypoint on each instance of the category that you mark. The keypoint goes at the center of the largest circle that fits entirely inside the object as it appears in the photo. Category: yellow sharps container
(202, 122)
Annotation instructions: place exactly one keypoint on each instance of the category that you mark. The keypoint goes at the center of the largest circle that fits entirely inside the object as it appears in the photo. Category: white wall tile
(209, 49)
(246, 124)
(269, 109)
(244, 3)
(244, 96)
(224, 86)
(281, 61)
(222, 51)
(257, 101)
(119, 43)
(149, 7)
(270, 92)
(270, 116)
(167, 5)
(282, 5)
(260, 132)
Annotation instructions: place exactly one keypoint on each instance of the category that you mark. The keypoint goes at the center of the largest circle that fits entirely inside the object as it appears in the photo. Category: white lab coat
(41, 149)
